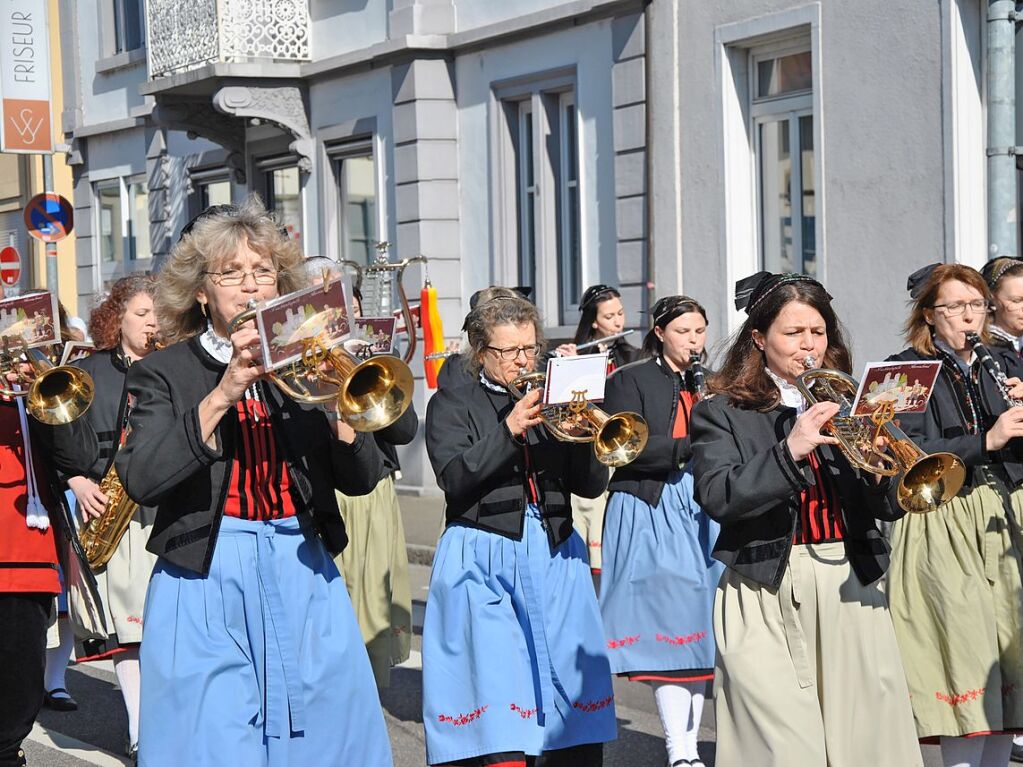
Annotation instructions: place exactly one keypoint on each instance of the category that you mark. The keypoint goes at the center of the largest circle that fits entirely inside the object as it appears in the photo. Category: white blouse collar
(218, 348)
(790, 395)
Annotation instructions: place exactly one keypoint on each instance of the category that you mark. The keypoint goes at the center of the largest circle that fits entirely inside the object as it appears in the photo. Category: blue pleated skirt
(513, 653)
(259, 663)
(658, 581)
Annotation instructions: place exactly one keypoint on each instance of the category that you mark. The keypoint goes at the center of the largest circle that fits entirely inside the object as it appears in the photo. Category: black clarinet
(992, 367)
(696, 371)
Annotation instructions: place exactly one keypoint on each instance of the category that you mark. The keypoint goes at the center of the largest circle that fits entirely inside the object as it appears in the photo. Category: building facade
(658, 145)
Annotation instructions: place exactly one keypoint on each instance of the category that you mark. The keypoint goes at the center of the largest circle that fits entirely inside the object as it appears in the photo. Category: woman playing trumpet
(658, 581)
(955, 583)
(513, 652)
(123, 328)
(251, 653)
(805, 646)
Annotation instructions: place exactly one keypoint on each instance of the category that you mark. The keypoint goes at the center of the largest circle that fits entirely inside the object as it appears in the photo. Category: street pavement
(94, 735)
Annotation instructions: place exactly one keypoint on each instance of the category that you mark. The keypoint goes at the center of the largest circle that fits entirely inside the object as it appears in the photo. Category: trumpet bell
(375, 393)
(621, 439)
(60, 395)
(930, 482)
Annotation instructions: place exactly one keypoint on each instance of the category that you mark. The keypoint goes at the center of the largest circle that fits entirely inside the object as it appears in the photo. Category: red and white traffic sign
(49, 217)
(10, 266)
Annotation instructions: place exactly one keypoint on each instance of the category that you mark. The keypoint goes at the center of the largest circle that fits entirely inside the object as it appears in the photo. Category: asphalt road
(94, 735)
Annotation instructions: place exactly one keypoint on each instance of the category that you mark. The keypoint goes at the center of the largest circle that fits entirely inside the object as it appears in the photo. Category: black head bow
(596, 293)
(751, 290)
(668, 308)
(995, 269)
(916, 281)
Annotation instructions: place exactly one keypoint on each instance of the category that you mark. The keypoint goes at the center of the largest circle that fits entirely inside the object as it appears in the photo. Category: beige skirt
(375, 567)
(809, 675)
(123, 583)
(956, 593)
(588, 519)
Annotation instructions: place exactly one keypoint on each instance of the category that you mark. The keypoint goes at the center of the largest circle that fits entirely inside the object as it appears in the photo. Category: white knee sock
(674, 706)
(699, 691)
(126, 666)
(57, 657)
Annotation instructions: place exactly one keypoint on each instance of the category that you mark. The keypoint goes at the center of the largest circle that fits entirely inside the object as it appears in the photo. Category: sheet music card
(907, 385)
(567, 375)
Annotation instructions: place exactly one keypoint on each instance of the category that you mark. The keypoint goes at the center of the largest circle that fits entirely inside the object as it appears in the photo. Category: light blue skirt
(513, 654)
(658, 581)
(260, 662)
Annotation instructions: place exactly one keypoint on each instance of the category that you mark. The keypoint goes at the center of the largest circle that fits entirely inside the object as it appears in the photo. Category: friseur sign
(25, 77)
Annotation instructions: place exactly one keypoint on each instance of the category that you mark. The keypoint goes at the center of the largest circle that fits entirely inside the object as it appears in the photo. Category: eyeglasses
(234, 277)
(512, 352)
(956, 308)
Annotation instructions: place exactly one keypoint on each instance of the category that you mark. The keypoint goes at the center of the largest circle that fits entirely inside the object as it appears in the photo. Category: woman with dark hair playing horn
(513, 653)
(123, 327)
(658, 581)
(955, 584)
(808, 670)
(251, 653)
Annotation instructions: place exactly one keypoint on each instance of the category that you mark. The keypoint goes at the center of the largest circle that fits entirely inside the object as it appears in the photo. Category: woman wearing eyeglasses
(250, 652)
(955, 583)
(513, 652)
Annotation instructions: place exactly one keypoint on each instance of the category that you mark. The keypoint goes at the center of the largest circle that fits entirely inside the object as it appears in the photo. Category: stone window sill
(120, 61)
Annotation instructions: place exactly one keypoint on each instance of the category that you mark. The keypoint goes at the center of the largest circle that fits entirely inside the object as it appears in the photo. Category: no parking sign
(49, 217)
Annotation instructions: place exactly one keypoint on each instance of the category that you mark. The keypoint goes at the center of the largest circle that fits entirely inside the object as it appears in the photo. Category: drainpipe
(1001, 129)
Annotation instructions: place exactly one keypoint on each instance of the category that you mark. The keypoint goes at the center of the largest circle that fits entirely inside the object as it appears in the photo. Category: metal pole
(1001, 129)
(52, 278)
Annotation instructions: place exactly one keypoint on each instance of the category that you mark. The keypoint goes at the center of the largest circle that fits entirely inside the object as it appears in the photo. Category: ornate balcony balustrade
(186, 34)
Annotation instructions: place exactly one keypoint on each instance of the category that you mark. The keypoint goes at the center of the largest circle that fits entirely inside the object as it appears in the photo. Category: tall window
(542, 127)
(216, 192)
(783, 127)
(355, 171)
(284, 192)
(122, 225)
(129, 27)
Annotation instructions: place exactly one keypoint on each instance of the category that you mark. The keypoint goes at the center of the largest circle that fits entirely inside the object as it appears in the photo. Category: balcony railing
(185, 34)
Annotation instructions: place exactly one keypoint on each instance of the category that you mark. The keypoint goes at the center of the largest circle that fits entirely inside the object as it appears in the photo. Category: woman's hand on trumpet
(525, 414)
(246, 365)
(806, 435)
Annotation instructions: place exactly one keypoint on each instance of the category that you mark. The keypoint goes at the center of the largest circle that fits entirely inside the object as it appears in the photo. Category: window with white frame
(355, 171)
(541, 215)
(122, 225)
(783, 130)
(215, 191)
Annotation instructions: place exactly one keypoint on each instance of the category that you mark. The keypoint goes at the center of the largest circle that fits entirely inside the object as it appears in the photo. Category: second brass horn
(929, 480)
(370, 395)
(617, 439)
(57, 395)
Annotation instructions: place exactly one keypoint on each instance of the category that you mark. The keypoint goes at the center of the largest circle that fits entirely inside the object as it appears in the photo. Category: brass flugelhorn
(370, 395)
(928, 480)
(54, 395)
(617, 439)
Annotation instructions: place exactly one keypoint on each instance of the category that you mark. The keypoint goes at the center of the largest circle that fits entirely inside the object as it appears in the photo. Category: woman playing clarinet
(955, 583)
(658, 581)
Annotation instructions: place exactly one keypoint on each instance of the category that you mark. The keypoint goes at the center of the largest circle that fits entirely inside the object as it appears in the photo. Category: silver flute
(604, 340)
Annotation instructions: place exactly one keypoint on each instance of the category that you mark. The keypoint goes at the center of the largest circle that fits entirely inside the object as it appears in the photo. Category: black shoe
(1017, 753)
(22, 761)
(62, 703)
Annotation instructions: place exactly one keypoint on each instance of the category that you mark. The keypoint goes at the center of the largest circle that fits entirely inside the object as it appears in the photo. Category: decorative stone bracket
(282, 106)
(200, 119)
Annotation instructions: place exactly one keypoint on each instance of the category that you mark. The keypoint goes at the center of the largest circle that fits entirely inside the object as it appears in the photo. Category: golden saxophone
(101, 534)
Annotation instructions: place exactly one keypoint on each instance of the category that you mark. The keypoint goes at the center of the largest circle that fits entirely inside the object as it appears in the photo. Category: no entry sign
(10, 266)
(49, 217)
